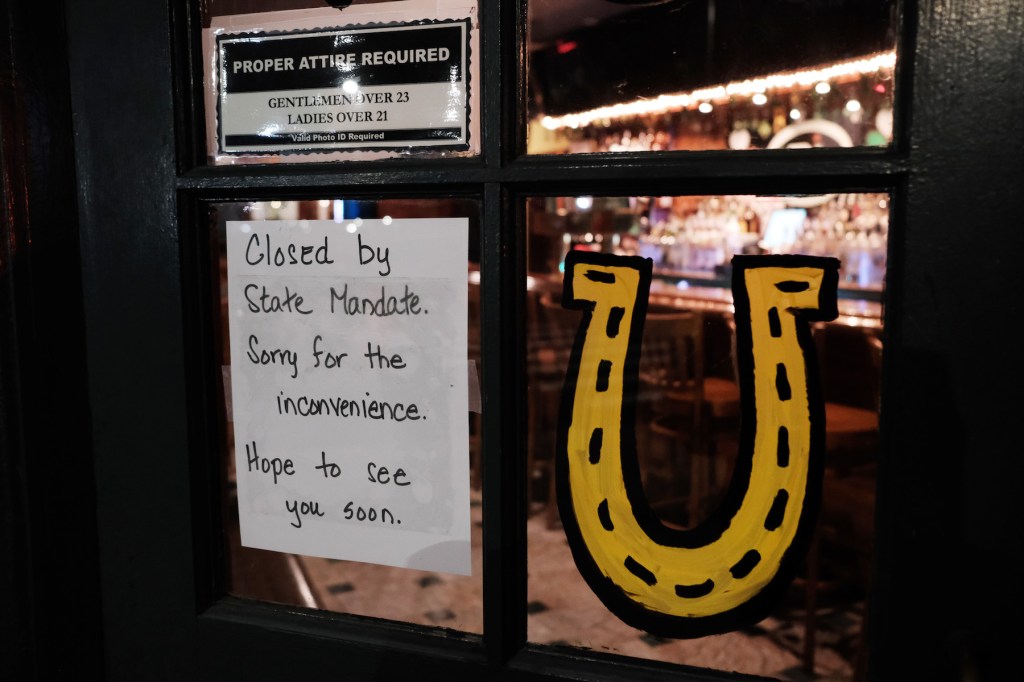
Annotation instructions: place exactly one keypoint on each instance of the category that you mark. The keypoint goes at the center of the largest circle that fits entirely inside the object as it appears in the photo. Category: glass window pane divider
(501, 270)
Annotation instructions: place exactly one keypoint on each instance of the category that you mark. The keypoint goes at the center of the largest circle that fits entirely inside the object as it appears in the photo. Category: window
(614, 77)
(690, 215)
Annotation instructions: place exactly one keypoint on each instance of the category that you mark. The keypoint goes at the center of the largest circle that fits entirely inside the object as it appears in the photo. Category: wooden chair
(851, 362)
(708, 403)
(550, 336)
(671, 397)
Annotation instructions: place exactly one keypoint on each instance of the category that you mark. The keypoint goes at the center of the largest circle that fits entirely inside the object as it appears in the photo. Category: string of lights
(703, 99)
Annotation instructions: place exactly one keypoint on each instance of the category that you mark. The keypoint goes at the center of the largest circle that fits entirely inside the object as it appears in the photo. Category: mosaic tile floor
(564, 612)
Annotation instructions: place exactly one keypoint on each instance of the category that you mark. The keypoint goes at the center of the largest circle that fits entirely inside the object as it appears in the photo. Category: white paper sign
(349, 389)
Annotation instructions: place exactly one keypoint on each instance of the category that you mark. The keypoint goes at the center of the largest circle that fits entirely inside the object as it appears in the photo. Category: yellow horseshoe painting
(730, 569)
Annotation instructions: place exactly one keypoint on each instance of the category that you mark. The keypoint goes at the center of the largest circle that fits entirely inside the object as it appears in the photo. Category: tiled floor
(437, 599)
(564, 612)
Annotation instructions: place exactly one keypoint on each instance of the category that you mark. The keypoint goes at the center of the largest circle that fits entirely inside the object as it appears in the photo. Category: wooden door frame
(947, 496)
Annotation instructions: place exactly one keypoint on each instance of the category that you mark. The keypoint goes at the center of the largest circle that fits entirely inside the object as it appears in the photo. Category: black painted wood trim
(48, 531)
(948, 493)
(945, 496)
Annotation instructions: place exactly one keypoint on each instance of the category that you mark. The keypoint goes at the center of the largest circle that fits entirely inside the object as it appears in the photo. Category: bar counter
(672, 292)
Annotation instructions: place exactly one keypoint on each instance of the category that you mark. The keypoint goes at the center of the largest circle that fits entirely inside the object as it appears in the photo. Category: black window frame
(233, 638)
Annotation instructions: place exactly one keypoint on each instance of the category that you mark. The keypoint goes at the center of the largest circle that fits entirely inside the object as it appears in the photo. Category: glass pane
(299, 81)
(686, 455)
(423, 597)
(608, 76)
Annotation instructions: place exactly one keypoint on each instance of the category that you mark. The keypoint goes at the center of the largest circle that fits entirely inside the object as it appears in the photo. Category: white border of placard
(273, 90)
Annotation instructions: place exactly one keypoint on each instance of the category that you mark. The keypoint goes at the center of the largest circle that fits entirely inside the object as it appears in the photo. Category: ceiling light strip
(747, 88)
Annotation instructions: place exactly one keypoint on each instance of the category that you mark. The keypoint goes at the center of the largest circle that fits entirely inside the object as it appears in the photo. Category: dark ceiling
(680, 45)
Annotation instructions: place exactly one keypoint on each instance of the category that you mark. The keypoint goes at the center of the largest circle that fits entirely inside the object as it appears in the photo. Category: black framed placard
(360, 87)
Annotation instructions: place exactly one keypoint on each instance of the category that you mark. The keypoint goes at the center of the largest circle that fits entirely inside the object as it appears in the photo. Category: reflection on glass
(709, 74)
(221, 8)
(421, 597)
(686, 456)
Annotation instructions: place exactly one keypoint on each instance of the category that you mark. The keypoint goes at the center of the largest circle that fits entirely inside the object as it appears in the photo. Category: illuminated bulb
(350, 228)
(759, 99)
(584, 203)
(275, 205)
(705, 107)
(853, 105)
(386, 220)
(350, 86)
(323, 203)
(795, 114)
(822, 88)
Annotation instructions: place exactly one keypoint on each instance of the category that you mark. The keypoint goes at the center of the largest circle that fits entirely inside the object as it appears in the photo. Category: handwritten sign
(372, 87)
(349, 389)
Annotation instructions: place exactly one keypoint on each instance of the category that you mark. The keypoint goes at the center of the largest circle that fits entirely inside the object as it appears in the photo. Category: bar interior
(608, 77)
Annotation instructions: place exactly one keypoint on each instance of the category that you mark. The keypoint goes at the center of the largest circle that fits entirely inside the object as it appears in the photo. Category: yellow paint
(591, 484)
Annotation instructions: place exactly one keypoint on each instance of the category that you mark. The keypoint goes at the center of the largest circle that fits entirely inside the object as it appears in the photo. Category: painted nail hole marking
(782, 383)
(778, 511)
(614, 320)
(640, 571)
(604, 516)
(596, 439)
(694, 591)
(604, 370)
(774, 324)
(600, 276)
(792, 286)
(743, 567)
(782, 454)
